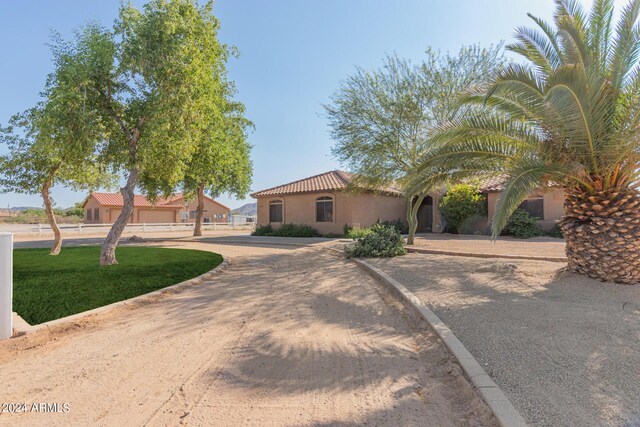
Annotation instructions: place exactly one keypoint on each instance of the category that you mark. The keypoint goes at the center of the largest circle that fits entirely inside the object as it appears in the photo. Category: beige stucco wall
(352, 209)
(108, 214)
(553, 206)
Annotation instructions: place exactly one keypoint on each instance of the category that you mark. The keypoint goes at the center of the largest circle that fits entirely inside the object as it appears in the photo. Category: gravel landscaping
(564, 348)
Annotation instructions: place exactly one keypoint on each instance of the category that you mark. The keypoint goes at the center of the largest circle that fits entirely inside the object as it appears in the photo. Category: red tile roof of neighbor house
(328, 181)
(115, 199)
(493, 184)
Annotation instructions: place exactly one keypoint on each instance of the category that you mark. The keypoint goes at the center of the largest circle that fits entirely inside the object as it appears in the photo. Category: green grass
(50, 287)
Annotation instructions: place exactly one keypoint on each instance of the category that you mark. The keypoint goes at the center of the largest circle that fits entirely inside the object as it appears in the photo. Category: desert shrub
(522, 225)
(556, 232)
(381, 241)
(286, 230)
(398, 224)
(461, 204)
(263, 230)
(357, 232)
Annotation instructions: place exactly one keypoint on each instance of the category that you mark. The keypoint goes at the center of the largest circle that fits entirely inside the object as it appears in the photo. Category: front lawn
(50, 287)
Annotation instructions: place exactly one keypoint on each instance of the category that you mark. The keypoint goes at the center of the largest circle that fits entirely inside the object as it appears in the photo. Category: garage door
(156, 215)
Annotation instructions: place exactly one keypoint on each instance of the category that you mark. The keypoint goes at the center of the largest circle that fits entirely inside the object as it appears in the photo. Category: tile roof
(493, 184)
(328, 181)
(115, 199)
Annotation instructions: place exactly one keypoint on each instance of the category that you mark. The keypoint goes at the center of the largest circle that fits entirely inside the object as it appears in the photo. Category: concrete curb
(22, 329)
(493, 396)
(413, 249)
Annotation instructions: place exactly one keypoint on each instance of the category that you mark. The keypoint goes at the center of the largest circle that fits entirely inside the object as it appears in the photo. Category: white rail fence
(67, 229)
(6, 285)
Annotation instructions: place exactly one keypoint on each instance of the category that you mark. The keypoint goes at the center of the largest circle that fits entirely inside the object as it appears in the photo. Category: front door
(425, 215)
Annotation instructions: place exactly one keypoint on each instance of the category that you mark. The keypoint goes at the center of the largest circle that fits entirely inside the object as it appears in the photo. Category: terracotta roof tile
(115, 199)
(328, 181)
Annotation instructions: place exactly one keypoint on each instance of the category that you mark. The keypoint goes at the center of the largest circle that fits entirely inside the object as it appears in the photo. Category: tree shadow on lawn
(565, 348)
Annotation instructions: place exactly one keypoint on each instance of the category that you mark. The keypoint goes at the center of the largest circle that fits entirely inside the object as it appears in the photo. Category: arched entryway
(425, 216)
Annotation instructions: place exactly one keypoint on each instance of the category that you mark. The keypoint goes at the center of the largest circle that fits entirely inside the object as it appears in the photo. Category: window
(324, 209)
(89, 215)
(534, 206)
(96, 214)
(192, 214)
(275, 211)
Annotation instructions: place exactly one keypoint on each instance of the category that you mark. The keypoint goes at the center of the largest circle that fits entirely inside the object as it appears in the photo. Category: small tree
(149, 80)
(462, 203)
(381, 120)
(46, 146)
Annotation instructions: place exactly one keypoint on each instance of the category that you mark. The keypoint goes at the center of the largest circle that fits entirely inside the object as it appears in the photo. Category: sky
(293, 55)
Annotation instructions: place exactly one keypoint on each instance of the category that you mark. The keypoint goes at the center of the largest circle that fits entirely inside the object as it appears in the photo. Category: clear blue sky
(293, 55)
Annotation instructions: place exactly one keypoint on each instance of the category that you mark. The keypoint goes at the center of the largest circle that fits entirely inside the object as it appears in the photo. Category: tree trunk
(412, 217)
(197, 230)
(108, 254)
(48, 208)
(602, 232)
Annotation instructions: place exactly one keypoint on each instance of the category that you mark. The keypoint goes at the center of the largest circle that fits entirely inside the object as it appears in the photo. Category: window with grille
(534, 206)
(324, 209)
(275, 210)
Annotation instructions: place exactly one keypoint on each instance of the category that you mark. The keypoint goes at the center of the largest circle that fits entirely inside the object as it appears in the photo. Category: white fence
(6, 285)
(67, 229)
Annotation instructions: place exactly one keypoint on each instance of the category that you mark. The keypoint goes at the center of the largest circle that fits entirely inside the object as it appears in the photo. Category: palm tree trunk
(197, 230)
(51, 217)
(602, 232)
(412, 217)
(108, 254)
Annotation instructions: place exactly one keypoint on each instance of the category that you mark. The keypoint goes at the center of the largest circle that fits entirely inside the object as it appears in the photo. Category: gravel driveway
(565, 349)
(285, 336)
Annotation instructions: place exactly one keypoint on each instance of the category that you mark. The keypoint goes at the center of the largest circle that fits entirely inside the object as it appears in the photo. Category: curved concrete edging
(140, 298)
(493, 396)
(481, 255)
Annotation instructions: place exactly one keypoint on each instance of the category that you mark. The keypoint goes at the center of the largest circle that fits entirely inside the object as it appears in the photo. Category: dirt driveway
(285, 336)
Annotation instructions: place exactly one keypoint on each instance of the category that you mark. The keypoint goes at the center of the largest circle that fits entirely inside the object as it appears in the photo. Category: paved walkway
(537, 246)
(285, 336)
(565, 349)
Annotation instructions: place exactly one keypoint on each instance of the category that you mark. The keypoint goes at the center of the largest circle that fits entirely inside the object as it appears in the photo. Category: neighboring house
(327, 202)
(104, 208)
(214, 211)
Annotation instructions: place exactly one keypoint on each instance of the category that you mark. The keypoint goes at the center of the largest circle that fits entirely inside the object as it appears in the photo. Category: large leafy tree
(148, 79)
(47, 145)
(221, 163)
(381, 120)
(570, 117)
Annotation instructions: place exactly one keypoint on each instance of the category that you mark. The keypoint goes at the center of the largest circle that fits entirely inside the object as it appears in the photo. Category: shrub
(398, 224)
(263, 230)
(461, 204)
(522, 225)
(286, 230)
(556, 232)
(357, 232)
(381, 241)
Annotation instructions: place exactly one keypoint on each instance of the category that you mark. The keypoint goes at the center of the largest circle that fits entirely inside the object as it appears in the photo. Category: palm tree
(568, 117)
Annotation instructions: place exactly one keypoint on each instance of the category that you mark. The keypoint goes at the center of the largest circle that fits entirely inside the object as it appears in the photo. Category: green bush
(461, 204)
(381, 241)
(357, 232)
(522, 225)
(398, 224)
(556, 232)
(286, 230)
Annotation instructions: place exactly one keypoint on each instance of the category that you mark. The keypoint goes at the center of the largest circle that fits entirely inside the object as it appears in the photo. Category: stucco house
(327, 202)
(104, 208)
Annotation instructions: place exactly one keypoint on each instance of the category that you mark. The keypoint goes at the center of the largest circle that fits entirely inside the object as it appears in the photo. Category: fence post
(214, 225)
(170, 226)
(6, 285)
(144, 227)
(79, 228)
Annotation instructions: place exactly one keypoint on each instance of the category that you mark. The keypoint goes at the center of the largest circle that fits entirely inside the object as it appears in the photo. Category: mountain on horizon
(248, 209)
